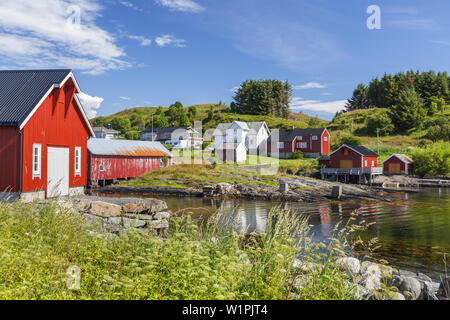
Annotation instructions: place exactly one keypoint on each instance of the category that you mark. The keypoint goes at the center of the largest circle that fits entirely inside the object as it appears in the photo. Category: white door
(57, 172)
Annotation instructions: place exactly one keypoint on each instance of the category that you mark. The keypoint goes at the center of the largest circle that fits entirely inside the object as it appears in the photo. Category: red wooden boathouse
(397, 164)
(43, 134)
(110, 160)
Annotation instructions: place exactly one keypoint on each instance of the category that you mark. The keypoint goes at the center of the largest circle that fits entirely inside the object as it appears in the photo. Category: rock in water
(412, 286)
(350, 265)
(336, 192)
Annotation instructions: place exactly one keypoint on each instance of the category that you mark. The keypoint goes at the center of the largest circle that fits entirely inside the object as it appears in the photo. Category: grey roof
(127, 148)
(255, 126)
(363, 150)
(21, 91)
(221, 129)
(402, 157)
(290, 134)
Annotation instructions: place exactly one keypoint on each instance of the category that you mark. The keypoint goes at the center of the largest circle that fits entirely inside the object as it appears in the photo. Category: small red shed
(110, 160)
(397, 164)
(43, 134)
(349, 157)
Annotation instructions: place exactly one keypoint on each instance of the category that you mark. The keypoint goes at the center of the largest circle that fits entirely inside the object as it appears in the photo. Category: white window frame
(302, 145)
(299, 137)
(325, 138)
(37, 172)
(101, 167)
(315, 138)
(280, 145)
(373, 163)
(365, 163)
(77, 163)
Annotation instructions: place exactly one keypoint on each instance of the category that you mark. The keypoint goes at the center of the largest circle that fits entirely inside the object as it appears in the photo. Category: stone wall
(113, 215)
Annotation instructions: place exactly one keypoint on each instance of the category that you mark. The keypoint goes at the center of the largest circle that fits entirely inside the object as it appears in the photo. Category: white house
(253, 135)
(232, 152)
(106, 133)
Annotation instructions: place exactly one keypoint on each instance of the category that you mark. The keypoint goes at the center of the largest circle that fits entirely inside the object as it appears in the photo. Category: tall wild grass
(206, 260)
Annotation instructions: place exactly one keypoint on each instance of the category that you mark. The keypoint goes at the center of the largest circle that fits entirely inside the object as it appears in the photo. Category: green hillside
(140, 118)
(359, 120)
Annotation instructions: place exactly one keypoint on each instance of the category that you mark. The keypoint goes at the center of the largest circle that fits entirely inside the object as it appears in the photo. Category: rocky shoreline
(371, 278)
(295, 190)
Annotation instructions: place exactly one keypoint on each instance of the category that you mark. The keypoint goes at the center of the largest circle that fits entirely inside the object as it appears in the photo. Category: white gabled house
(253, 136)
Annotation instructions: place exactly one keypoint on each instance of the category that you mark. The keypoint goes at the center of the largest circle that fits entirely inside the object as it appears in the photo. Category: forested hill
(131, 121)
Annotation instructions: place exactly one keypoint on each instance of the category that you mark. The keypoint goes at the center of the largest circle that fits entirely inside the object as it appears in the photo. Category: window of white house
(78, 161)
(37, 160)
(302, 145)
(325, 138)
(314, 137)
(280, 145)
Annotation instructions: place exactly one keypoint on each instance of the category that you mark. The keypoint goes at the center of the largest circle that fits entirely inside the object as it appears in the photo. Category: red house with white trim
(397, 164)
(349, 157)
(312, 142)
(43, 134)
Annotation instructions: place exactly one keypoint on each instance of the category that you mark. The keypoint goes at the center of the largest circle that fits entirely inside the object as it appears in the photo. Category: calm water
(414, 232)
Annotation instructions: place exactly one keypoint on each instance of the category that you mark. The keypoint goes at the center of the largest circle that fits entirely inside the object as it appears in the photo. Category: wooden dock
(363, 175)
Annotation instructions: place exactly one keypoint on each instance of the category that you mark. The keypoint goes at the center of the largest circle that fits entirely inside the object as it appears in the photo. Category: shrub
(297, 155)
(168, 147)
(381, 122)
(433, 160)
(351, 140)
(132, 135)
(440, 130)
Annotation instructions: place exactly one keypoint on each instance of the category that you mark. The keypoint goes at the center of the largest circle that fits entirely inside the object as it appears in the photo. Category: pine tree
(408, 111)
(359, 99)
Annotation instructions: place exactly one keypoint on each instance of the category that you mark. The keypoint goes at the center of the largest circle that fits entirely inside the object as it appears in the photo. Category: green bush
(196, 261)
(297, 155)
(381, 122)
(351, 140)
(440, 130)
(433, 160)
(132, 135)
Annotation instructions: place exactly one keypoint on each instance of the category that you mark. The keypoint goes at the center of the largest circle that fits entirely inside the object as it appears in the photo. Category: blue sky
(155, 52)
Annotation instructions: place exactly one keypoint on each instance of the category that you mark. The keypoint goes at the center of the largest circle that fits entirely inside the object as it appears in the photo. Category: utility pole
(153, 139)
(352, 127)
(378, 141)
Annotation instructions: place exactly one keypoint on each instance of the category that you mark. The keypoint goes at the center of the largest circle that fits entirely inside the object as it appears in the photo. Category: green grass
(197, 261)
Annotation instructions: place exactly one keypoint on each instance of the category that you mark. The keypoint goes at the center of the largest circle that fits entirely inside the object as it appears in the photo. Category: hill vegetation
(130, 121)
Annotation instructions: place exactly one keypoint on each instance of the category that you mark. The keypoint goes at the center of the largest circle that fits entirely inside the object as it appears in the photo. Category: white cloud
(234, 89)
(316, 105)
(45, 34)
(124, 98)
(326, 94)
(167, 40)
(310, 85)
(181, 5)
(144, 41)
(90, 104)
(130, 5)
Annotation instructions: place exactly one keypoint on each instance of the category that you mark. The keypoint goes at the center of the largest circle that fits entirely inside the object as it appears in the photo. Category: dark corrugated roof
(290, 134)
(21, 90)
(363, 150)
